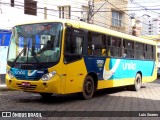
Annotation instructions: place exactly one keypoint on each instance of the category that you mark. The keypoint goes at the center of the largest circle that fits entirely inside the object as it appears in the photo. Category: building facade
(156, 26)
(112, 14)
(146, 25)
(17, 11)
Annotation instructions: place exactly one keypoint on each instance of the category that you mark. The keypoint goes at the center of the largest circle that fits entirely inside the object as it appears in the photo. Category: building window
(116, 18)
(12, 3)
(84, 13)
(65, 12)
(30, 7)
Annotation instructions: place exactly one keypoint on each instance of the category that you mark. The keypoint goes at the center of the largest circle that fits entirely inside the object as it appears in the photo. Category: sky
(152, 7)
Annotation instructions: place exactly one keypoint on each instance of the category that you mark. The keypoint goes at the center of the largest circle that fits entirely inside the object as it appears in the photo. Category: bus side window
(108, 46)
(95, 44)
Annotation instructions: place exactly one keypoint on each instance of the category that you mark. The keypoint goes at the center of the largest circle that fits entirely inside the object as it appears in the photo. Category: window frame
(30, 7)
(117, 17)
(64, 13)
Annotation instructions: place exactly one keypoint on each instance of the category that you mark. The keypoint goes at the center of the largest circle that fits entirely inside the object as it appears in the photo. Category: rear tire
(137, 83)
(46, 95)
(88, 88)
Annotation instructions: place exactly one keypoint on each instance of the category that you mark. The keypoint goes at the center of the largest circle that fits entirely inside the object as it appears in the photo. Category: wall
(105, 18)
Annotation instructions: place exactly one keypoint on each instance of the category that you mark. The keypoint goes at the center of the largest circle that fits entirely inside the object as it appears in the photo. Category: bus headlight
(10, 74)
(48, 76)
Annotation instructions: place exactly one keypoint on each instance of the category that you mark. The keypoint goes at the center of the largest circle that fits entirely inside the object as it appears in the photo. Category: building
(150, 26)
(110, 14)
(136, 29)
(146, 22)
(156, 26)
(17, 11)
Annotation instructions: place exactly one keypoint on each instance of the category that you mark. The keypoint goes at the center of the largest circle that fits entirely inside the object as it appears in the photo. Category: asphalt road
(118, 104)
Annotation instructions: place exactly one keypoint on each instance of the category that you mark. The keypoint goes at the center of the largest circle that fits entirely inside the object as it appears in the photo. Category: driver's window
(73, 44)
(78, 48)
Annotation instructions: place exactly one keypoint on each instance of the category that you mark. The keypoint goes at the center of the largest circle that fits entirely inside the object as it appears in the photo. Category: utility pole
(45, 9)
(90, 12)
(45, 12)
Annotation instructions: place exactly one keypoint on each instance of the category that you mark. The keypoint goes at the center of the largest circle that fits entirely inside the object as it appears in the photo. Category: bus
(83, 58)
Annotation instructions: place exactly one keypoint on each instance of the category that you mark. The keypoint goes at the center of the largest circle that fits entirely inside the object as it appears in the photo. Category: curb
(4, 88)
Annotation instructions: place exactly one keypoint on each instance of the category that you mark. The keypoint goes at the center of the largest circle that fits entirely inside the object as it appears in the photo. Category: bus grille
(31, 87)
(20, 77)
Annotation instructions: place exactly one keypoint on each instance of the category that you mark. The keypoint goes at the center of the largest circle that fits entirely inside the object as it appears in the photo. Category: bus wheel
(88, 88)
(46, 95)
(137, 82)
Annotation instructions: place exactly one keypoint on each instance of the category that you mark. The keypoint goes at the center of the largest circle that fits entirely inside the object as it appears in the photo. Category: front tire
(88, 88)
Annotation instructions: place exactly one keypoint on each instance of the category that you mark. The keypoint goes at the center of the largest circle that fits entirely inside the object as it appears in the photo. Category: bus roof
(95, 28)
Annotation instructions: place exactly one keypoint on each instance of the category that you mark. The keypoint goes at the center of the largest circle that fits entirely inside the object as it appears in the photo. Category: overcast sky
(152, 7)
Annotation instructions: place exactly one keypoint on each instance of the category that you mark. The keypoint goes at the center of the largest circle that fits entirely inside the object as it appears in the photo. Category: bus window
(73, 45)
(129, 48)
(95, 44)
(108, 47)
(78, 48)
(149, 53)
(115, 47)
(140, 51)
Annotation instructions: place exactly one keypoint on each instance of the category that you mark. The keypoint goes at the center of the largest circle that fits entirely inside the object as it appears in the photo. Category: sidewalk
(3, 88)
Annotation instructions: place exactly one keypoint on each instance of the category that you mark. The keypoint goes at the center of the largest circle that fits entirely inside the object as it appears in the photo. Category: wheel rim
(138, 82)
(88, 87)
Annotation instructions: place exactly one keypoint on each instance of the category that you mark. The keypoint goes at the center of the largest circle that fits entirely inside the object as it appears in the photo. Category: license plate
(26, 84)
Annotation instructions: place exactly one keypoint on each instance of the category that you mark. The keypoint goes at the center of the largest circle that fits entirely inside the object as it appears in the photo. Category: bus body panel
(53, 85)
(119, 72)
(75, 75)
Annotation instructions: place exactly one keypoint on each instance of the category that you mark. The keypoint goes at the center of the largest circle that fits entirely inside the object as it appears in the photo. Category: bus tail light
(48, 76)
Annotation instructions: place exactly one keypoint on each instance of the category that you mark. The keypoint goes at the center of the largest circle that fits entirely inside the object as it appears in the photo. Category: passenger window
(149, 52)
(78, 45)
(139, 50)
(128, 48)
(96, 45)
(115, 48)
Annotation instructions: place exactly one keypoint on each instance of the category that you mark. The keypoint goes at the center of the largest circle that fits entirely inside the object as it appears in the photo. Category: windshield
(35, 43)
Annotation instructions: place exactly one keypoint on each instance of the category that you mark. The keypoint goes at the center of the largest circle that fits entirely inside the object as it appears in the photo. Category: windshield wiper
(17, 57)
(34, 56)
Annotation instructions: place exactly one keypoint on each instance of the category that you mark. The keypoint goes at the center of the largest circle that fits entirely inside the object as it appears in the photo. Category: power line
(32, 10)
(127, 14)
(98, 9)
(28, 8)
(143, 7)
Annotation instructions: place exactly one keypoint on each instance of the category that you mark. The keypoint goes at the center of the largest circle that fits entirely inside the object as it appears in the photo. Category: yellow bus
(67, 56)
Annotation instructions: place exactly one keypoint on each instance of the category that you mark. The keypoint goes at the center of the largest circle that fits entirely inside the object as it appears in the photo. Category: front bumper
(40, 86)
